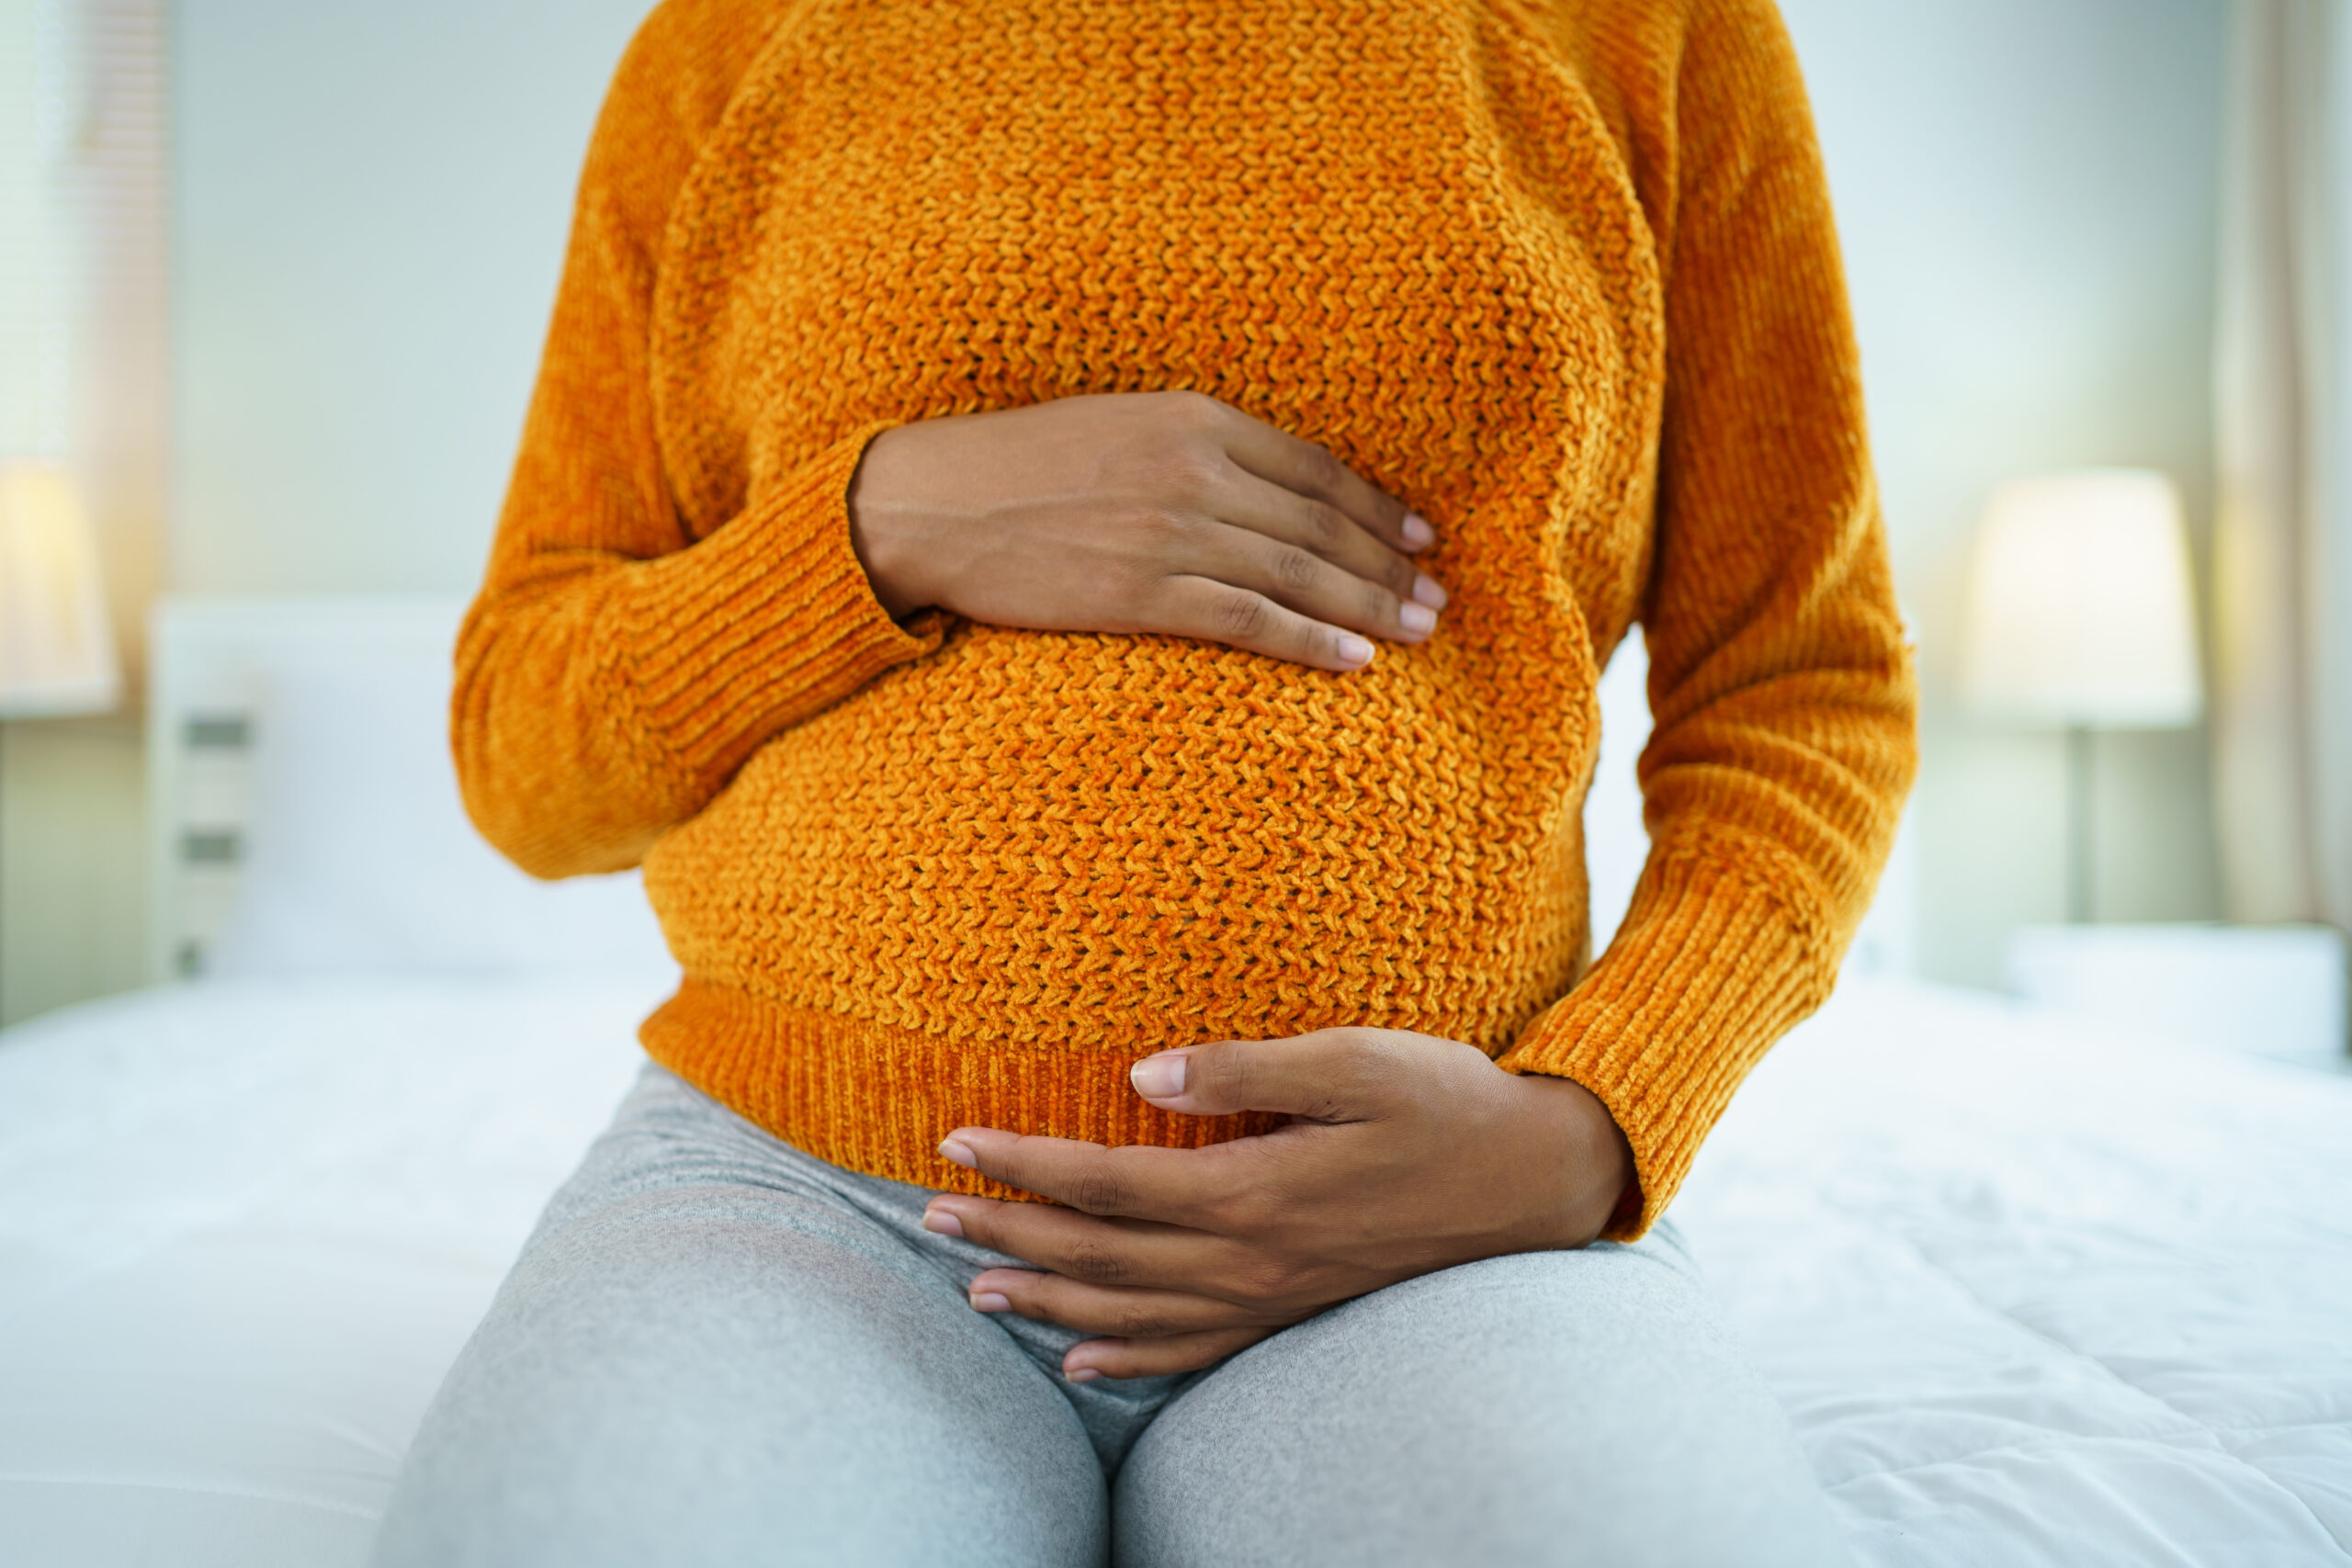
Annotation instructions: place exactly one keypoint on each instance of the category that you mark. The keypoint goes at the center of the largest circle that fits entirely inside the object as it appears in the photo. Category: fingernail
(1416, 530)
(1083, 1374)
(1159, 1077)
(1428, 590)
(939, 1221)
(1418, 619)
(1354, 652)
(951, 1149)
(989, 1301)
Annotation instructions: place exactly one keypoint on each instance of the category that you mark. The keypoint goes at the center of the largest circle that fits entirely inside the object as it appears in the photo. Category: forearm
(1781, 687)
(595, 710)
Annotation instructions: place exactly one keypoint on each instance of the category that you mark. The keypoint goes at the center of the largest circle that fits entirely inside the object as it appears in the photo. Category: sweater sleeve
(1780, 682)
(615, 670)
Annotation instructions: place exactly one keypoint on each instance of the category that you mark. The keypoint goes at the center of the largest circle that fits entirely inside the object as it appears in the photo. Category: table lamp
(56, 646)
(2079, 618)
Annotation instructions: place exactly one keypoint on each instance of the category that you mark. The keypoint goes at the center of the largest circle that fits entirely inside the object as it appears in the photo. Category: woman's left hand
(1408, 1153)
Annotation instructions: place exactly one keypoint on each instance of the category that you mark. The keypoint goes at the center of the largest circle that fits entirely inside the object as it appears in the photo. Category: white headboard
(303, 813)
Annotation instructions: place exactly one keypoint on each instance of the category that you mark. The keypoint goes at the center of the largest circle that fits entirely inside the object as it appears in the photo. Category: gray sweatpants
(717, 1349)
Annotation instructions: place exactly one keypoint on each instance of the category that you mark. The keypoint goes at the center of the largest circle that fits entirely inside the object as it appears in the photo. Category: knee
(1551, 1409)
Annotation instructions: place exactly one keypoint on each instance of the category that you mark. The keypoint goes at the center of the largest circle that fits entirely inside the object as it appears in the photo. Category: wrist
(1590, 1155)
(877, 531)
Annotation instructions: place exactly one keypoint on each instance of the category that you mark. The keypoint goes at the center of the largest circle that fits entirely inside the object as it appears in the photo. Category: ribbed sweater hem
(877, 1098)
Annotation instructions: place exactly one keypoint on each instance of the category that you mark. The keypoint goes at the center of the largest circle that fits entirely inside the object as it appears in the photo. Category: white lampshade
(56, 646)
(2079, 610)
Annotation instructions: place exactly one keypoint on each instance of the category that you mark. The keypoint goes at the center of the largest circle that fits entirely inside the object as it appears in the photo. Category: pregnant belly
(1096, 840)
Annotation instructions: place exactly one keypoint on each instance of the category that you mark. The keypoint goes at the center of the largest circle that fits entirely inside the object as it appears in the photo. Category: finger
(1301, 580)
(1331, 1075)
(1094, 1359)
(1144, 1181)
(1245, 618)
(1083, 1246)
(1295, 576)
(1097, 1309)
(1249, 502)
(1305, 469)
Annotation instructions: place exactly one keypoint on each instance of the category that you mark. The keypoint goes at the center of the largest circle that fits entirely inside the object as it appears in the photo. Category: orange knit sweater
(1560, 274)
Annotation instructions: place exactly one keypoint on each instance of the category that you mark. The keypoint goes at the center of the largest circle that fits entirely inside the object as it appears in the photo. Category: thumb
(1333, 1075)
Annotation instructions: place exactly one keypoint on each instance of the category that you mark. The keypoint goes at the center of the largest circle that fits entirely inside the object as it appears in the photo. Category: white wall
(373, 200)
(2026, 191)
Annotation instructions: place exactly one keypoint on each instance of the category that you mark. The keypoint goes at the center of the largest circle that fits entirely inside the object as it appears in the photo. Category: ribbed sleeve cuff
(1710, 967)
(765, 622)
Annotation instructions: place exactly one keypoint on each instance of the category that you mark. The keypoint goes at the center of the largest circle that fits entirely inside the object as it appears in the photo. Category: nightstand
(2269, 990)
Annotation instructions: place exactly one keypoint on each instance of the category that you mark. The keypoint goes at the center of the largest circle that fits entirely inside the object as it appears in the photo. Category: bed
(2031, 1292)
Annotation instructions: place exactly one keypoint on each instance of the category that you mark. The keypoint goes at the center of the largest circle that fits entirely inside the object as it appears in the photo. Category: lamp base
(2081, 848)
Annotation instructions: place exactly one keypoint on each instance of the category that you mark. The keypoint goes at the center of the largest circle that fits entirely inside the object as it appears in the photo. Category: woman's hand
(1408, 1155)
(1141, 511)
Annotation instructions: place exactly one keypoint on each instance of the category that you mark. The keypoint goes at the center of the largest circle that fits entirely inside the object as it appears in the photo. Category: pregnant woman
(1074, 542)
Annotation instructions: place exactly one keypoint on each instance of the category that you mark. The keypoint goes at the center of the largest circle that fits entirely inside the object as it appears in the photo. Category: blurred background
(274, 276)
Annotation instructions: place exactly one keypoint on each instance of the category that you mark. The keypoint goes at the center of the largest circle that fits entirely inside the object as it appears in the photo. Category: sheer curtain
(2282, 543)
(84, 363)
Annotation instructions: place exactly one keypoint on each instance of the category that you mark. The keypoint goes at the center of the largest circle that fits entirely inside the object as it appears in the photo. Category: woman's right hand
(1142, 511)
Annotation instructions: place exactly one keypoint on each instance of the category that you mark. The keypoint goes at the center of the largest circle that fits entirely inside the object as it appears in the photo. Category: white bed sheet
(245, 1228)
(2036, 1295)
(2031, 1296)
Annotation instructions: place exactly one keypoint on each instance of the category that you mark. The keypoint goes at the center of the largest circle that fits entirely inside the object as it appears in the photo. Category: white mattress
(245, 1228)
(2032, 1297)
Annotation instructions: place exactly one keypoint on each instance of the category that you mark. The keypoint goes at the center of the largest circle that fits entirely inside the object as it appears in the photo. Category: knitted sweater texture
(1559, 273)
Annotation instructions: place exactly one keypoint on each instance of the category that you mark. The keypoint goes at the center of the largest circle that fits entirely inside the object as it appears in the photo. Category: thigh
(692, 1364)
(1552, 1408)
